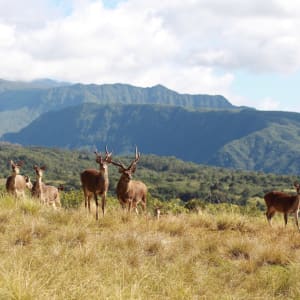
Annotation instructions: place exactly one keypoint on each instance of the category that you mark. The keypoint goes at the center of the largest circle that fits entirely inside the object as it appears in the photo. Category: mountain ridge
(245, 139)
(27, 101)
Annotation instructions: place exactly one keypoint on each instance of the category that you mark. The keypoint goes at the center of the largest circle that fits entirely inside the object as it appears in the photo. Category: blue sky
(248, 51)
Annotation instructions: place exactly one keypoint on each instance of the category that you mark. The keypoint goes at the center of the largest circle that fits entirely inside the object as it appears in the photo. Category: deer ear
(20, 163)
(43, 168)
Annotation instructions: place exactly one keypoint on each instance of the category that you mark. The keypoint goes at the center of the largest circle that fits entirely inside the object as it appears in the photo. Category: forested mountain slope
(247, 139)
(25, 101)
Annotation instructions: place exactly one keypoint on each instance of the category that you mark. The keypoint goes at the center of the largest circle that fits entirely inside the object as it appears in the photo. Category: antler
(107, 155)
(118, 164)
(132, 166)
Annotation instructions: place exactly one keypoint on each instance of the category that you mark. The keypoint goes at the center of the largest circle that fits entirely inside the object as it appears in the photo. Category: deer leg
(269, 215)
(96, 201)
(129, 205)
(143, 203)
(89, 203)
(285, 219)
(296, 219)
(103, 202)
(85, 201)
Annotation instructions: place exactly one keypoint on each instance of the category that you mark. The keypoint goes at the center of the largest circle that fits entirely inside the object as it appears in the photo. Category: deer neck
(123, 185)
(39, 181)
(104, 172)
(14, 174)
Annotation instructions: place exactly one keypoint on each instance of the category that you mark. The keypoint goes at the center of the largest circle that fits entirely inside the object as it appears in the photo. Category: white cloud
(268, 104)
(176, 43)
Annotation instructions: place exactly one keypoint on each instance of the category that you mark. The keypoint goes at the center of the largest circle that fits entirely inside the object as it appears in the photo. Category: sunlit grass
(67, 254)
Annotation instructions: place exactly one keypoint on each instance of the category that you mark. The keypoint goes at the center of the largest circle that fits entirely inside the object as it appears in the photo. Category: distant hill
(35, 84)
(246, 139)
(23, 102)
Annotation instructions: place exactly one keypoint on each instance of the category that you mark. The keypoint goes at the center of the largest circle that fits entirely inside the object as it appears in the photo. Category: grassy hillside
(246, 139)
(217, 254)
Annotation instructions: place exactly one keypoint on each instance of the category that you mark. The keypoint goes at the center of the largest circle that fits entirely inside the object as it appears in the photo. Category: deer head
(39, 170)
(127, 172)
(16, 166)
(103, 162)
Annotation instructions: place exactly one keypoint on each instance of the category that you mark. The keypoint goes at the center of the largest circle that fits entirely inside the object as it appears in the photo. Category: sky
(247, 51)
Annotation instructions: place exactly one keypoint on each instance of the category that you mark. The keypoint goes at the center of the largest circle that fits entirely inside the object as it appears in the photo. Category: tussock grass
(67, 254)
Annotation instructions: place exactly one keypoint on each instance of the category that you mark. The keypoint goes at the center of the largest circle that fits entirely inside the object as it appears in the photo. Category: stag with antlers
(284, 203)
(96, 182)
(130, 192)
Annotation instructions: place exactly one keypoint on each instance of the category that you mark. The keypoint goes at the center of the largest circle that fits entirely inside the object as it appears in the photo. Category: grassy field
(67, 254)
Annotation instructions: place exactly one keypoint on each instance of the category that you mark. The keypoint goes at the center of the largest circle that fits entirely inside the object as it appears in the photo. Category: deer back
(133, 189)
(15, 183)
(94, 181)
(36, 190)
(282, 202)
(50, 193)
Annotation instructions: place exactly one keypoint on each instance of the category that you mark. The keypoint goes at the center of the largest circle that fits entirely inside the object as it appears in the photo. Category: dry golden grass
(67, 254)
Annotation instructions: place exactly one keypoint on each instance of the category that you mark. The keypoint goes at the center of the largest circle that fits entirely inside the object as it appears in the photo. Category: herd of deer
(130, 192)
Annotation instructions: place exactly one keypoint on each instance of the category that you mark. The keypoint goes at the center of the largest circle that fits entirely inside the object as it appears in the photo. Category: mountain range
(23, 102)
(199, 128)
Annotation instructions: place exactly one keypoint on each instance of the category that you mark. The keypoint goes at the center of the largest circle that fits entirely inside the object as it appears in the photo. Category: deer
(16, 183)
(130, 192)
(47, 194)
(96, 182)
(29, 184)
(284, 203)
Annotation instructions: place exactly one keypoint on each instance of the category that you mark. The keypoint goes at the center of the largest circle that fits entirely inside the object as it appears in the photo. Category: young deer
(130, 192)
(96, 182)
(16, 183)
(47, 194)
(284, 203)
(29, 184)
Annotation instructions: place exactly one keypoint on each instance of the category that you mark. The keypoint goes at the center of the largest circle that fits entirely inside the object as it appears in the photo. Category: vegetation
(246, 139)
(169, 180)
(217, 254)
(212, 240)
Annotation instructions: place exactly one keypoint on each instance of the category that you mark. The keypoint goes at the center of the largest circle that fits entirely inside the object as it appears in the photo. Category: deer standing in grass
(48, 194)
(16, 183)
(96, 182)
(284, 203)
(130, 192)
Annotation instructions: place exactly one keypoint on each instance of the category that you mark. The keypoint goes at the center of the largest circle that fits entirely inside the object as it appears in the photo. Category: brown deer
(130, 192)
(96, 182)
(284, 203)
(47, 194)
(16, 183)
